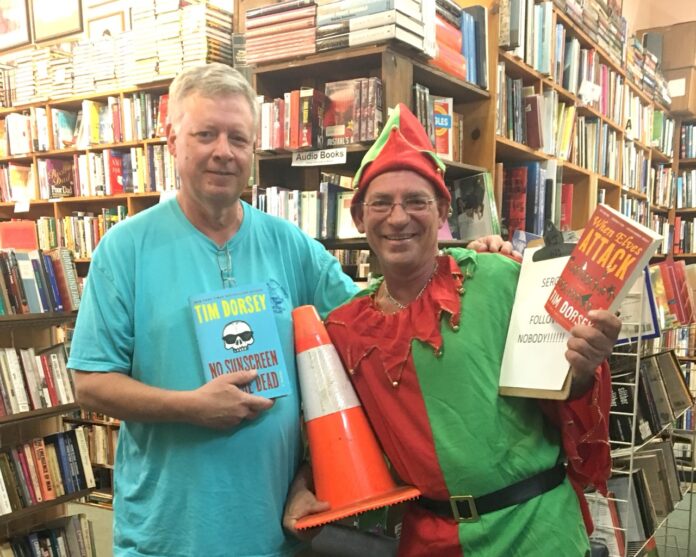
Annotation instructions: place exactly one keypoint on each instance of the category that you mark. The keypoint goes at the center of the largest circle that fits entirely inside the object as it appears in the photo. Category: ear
(443, 210)
(356, 211)
(171, 139)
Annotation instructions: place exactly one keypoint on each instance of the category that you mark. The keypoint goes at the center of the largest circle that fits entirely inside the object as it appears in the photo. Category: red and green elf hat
(402, 145)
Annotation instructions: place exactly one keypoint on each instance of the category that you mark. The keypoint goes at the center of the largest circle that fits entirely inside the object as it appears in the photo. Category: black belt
(467, 508)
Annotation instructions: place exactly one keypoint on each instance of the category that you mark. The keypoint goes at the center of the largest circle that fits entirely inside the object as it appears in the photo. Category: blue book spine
(53, 283)
(63, 463)
(43, 295)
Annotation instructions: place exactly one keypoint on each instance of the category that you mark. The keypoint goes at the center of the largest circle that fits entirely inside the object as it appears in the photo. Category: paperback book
(607, 260)
(236, 331)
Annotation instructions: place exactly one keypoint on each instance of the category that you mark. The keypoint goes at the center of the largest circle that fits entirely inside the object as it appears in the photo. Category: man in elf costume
(423, 348)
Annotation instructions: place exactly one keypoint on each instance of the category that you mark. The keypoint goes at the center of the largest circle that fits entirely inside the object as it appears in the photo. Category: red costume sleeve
(584, 426)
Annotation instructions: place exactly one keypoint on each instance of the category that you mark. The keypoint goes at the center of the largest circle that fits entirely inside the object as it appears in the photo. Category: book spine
(43, 470)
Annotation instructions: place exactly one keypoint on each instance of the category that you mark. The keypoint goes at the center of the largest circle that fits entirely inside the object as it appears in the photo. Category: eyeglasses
(224, 260)
(413, 205)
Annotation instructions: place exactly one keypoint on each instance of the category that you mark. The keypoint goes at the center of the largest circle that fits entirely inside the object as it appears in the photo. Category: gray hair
(210, 81)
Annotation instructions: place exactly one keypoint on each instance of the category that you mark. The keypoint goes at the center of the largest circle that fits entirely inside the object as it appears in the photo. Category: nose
(398, 213)
(222, 149)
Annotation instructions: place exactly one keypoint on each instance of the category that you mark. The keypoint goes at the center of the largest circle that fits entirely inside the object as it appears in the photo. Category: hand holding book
(588, 346)
(224, 402)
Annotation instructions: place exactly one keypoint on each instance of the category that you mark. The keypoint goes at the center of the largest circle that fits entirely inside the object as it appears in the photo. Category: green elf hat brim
(402, 145)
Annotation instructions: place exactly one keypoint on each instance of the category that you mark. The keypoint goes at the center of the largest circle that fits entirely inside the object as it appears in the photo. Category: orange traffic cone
(347, 463)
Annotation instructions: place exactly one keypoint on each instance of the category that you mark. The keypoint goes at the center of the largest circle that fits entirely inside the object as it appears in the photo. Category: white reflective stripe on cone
(324, 385)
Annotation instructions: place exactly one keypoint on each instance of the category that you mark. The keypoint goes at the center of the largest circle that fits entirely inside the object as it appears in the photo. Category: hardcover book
(236, 331)
(474, 212)
(606, 261)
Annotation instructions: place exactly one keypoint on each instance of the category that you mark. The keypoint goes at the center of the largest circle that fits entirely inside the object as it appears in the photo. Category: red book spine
(450, 61)
(50, 384)
(447, 34)
(566, 206)
(518, 198)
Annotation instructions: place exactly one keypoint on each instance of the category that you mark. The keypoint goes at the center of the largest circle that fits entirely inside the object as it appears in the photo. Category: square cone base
(397, 495)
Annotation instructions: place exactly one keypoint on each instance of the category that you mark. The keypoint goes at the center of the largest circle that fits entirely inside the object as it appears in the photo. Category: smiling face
(212, 142)
(404, 243)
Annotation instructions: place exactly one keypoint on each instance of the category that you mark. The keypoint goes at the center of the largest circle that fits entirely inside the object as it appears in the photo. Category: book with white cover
(384, 33)
(534, 363)
(388, 17)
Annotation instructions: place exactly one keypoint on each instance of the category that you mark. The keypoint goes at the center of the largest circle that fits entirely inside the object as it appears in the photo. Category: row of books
(34, 281)
(642, 69)
(643, 490)
(686, 189)
(633, 208)
(461, 36)
(662, 185)
(662, 392)
(355, 262)
(684, 234)
(159, 45)
(596, 147)
(605, 26)
(634, 168)
(533, 193)
(31, 380)
(69, 536)
(102, 172)
(322, 213)
(687, 145)
(454, 38)
(136, 117)
(44, 469)
(673, 284)
(101, 443)
(540, 121)
(344, 112)
(78, 234)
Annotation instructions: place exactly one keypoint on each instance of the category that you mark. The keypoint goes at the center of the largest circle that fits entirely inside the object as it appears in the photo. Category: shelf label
(677, 87)
(22, 206)
(320, 157)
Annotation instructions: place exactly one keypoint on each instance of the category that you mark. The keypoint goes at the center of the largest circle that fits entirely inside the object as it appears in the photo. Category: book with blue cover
(237, 331)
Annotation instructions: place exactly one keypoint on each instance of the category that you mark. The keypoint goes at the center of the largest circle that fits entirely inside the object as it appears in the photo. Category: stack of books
(281, 30)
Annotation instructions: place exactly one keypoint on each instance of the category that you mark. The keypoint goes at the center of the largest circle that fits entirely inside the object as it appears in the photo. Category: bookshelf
(113, 160)
(34, 441)
(636, 178)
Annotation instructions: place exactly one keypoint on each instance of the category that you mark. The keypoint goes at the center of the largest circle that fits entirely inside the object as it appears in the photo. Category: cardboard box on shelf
(678, 45)
(682, 88)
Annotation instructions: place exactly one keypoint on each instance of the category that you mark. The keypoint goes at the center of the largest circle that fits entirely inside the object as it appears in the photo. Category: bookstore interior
(556, 119)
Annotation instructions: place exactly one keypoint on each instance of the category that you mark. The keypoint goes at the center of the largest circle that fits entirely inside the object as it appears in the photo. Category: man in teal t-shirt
(202, 468)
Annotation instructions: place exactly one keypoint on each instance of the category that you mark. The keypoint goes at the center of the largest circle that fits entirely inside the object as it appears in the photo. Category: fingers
(606, 322)
(240, 377)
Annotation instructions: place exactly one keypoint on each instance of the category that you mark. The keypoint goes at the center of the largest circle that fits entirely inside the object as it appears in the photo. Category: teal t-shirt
(183, 490)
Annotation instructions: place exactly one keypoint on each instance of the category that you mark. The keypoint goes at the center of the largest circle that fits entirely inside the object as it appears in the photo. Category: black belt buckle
(473, 515)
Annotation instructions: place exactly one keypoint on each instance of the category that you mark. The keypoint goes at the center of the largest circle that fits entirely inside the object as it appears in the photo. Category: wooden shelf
(509, 150)
(659, 156)
(604, 182)
(79, 421)
(93, 95)
(687, 162)
(35, 415)
(634, 193)
(36, 319)
(27, 511)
